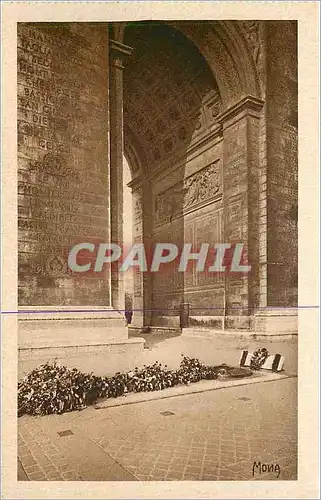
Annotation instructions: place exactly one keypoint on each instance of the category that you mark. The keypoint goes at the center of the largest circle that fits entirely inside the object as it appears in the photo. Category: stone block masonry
(63, 190)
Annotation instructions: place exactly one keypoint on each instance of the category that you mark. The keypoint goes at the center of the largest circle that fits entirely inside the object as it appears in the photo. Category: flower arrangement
(258, 358)
(52, 388)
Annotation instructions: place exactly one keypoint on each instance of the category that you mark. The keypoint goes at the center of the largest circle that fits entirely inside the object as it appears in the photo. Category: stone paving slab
(45, 455)
(209, 436)
(22, 476)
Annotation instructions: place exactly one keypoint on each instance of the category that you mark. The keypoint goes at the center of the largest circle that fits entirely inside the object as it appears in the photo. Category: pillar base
(94, 342)
(103, 359)
(69, 327)
(271, 322)
(166, 321)
(161, 330)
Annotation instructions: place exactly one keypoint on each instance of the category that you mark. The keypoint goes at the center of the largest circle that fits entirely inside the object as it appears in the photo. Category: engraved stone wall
(282, 169)
(62, 159)
(235, 204)
(189, 211)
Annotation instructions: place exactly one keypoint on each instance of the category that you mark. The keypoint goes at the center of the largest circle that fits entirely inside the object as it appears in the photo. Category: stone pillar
(118, 51)
(280, 262)
(142, 234)
(282, 161)
(63, 161)
(240, 200)
(138, 302)
(149, 246)
(64, 187)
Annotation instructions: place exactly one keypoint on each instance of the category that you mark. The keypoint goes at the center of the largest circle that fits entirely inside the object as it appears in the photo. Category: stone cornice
(249, 105)
(119, 49)
(138, 182)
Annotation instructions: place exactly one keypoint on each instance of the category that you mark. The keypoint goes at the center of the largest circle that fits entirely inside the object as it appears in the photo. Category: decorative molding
(136, 182)
(248, 105)
(251, 30)
(132, 157)
(120, 48)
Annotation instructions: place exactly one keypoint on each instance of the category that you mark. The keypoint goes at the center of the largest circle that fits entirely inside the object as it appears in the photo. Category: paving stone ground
(212, 436)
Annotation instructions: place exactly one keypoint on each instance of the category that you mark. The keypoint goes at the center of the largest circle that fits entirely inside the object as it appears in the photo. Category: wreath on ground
(258, 358)
(52, 388)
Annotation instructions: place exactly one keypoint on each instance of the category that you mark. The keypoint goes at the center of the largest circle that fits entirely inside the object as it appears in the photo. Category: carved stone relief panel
(195, 190)
(251, 29)
(253, 33)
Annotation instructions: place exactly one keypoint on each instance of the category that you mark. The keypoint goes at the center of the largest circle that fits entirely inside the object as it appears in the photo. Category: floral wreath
(258, 358)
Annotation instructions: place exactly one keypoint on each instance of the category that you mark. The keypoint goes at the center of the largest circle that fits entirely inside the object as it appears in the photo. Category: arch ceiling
(171, 96)
(232, 50)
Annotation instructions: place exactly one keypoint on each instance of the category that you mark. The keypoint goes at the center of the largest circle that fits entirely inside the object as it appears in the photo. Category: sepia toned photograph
(157, 226)
(157, 291)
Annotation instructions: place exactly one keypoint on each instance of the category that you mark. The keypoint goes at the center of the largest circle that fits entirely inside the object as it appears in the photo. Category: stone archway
(191, 117)
(225, 168)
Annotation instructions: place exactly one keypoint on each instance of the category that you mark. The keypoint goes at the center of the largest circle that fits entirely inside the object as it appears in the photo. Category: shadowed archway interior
(171, 101)
(171, 98)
